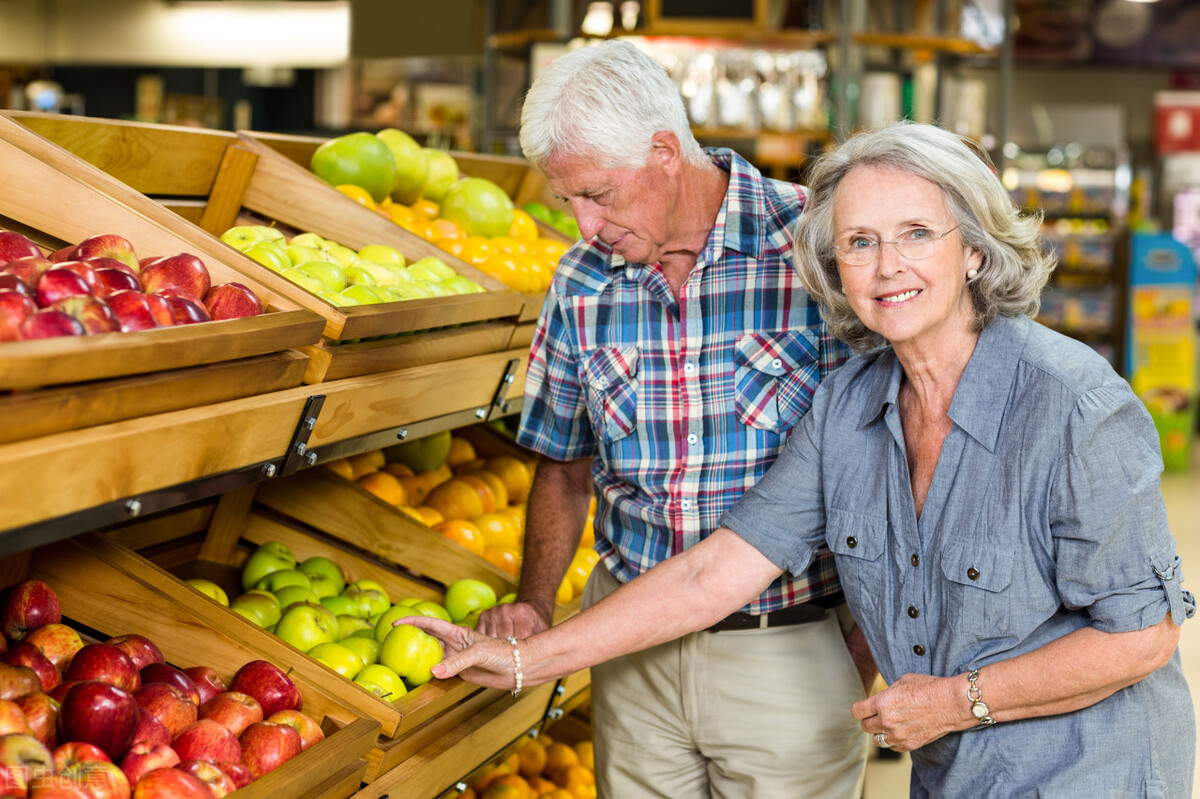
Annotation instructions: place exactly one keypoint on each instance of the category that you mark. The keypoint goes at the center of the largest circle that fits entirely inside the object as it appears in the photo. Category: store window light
(598, 21)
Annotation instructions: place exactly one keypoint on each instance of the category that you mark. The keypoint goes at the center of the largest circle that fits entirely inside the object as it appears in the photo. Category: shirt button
(777, 364)
(918, 650)
(916, 561)
(692, 438)
(972, 573)
(686, 504)
(852, 542)
(689, 367)
(913, 612)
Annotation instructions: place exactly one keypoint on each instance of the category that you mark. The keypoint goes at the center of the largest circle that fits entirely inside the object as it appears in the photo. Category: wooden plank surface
(522, 335)
(228, 190)
(228, 519)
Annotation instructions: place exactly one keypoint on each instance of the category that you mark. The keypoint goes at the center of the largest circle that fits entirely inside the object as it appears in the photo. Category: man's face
(627, 209)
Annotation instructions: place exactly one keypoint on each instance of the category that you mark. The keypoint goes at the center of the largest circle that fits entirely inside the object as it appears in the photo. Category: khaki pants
(746, 713)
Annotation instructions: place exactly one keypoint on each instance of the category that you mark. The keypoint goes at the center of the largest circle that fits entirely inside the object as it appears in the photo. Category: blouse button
(916, 561)
(972, 573)
(918, 650)
(689, 367)
(913, 612)
(778, 364)
(852, 542)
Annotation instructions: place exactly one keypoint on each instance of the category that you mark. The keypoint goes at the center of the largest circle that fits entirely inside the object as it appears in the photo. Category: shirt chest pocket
(774, 378)
(858, 541)
(977, 578)
(611, 375)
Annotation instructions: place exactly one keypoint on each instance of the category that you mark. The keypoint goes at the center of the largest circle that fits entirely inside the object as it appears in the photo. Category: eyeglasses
(917, 244)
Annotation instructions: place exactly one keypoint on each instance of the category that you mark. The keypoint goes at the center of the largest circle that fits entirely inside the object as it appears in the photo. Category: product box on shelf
(106, 590)
(219, 180)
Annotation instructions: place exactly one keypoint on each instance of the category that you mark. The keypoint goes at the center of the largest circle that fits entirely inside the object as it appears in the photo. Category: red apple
(207, 681)
(232, 301)
(185, 310)
(149, 259)
(56, 786)
(144, 757)
(207, 740)
(17, 681)
(50, 323)
(100, 780)
(267, 683)
(168, 704)
(41, 713)
(61, 254)
(150, 730)
(132, 309)
(106, 246)
(170, 783)
(161, 672)
(12, 717)
(184, 273)
(310, 731)
(15, 308)
(91, 312)
(110, 281)
(14, 245)
(267, 746)
(240, 775)
(141, 650)
(25, 757)
(11, 282)
(103, 662)
(26, 606)
(11, 785)
(112, 263)
(84, 270)
(76, 751)
(28, 268)
(160, 309)
(24, 653)
(98, 713)
(218, 782)
(57, 642)
(57, 283)
(233, 710)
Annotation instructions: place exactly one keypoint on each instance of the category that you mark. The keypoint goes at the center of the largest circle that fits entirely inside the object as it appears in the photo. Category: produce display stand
(106, 588)
(218, 179)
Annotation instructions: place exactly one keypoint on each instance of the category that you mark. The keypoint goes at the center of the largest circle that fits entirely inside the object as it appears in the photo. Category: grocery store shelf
(932, 44)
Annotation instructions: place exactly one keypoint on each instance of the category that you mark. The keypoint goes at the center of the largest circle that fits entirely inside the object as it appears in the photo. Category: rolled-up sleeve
(1114, 551)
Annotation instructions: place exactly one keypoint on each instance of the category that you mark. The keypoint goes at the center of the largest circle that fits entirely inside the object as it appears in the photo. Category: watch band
(978, 709)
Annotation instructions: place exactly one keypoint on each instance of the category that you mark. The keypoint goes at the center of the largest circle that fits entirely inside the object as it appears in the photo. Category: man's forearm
(554, 519)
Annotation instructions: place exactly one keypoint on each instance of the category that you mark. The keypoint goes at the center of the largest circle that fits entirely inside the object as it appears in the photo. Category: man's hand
(519, 619)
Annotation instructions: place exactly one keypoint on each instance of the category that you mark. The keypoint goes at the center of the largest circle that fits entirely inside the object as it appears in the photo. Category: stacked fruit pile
(347, 625)
(471, 218)
(340, 276)
(476, 502)
(541, 769)
(100, 286)
(113, 718)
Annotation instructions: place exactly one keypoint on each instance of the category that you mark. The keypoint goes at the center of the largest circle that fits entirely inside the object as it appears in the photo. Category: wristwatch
(978, 709)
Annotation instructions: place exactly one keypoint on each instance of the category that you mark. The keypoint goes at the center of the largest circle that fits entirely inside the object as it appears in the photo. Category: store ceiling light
(598, 21)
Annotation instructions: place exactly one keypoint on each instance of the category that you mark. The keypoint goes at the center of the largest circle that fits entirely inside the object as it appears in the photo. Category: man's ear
(665, 151)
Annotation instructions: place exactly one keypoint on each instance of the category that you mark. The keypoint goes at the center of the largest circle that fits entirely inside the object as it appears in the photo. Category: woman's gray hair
(604, 102)
(1014, 268)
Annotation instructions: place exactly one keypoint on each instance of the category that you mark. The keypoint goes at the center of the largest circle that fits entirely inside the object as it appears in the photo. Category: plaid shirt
(684, 405)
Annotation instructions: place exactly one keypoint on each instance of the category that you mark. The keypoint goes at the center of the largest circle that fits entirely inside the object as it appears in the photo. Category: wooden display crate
(108, 589)
(218, 179)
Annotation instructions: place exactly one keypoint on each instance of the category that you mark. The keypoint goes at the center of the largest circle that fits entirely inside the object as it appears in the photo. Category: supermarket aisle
(888, 779)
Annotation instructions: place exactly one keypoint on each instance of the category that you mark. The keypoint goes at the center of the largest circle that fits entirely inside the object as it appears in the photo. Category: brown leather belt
(797, 614)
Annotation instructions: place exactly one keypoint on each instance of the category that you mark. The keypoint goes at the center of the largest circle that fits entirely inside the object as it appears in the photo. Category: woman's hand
(473, 656)
(913, 711)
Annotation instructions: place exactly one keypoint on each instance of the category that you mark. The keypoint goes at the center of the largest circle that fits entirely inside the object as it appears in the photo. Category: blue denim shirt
(1044, 516)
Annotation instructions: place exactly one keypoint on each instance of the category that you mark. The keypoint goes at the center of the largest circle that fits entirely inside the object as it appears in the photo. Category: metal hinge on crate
(298, 455)
(501, 406)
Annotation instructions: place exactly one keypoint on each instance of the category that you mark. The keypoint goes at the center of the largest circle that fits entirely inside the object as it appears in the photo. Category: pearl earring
(972, 274)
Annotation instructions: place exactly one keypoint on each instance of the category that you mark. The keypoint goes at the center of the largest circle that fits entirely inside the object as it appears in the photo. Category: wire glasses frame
(859, 250)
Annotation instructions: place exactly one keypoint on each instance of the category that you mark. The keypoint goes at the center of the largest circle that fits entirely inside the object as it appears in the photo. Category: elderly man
(675, 352)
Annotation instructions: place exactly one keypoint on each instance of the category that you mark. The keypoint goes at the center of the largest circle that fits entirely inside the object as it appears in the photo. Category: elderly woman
(988, 487)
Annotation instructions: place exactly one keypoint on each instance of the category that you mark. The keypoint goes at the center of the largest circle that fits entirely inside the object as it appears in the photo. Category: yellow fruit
(409, 510)
(517, 514)
(588, 539)
(586, 557)
(476, 249)
(341, 466)
(541, 785)
(448, 230)
(385, 486)
(358, 194)
(582, 790)
(486, 497)
(499, 489)
(461, 451)
(435, 477)
(501, 266)
(577, 575)
(462, 532)
(566, 591)
(397, 470)
(498, 529)
(429, 515)
(559, 756)
(523, 226)
(367, 462)
(425, 208)
(500, 790)
(455, 499)
(532, 759)
(402, 215)
(514, 474)
(586, 752)
(507, 558)
(557, 793)
(469, 467)
(415, 488)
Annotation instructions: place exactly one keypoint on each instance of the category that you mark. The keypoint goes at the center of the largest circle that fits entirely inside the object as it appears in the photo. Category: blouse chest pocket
(611, 375)
(858, 541)
(774, 379)
(977, 578)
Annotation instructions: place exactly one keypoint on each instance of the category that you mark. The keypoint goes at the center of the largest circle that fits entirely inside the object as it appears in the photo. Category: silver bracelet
(517, 676)
(978, 709)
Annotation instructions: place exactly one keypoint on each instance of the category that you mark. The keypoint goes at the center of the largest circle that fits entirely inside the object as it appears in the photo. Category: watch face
(979, 710)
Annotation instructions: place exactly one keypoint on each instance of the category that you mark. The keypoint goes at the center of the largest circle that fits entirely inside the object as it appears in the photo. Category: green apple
(343, 256)
(281, 579)
(270, 233)
(362, 295)
(303, 279)
(349, 625)
(331, 276)
(442, 173)
(369, 585)
(291, 594)
(341, 605)
(383, 624)
(365, 647)
(411, 169)
(507, 599)
(412, 291)
(302, 253)
(306, 625)
(242, 236)
(210, 590)
(432, 269)
(308, 240)
(371, 602)
(358, 276)
(411, 653)
(383, 275)
(323, 585)
(335, 298)
(337, 657)
(433, 610)
(249, 615)
(464, 596)
(270, 254)
(262, 604)
(462, 285)
(318, 564)
(408, 600)
(433, 289)
(269, 557)
(381, 681)
(382, 254)
(471, 619)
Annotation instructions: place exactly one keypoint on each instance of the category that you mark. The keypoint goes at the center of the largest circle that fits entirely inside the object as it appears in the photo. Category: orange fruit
(587, 754)
(427, 208)
(500, 790)
(397, 470)
(498, 529)
(532, 758)
(461, 451)
(551, 248)
(429, 515)
(448, 230)
(499, 489)
(557, 793)
(507, 558)
(566, 591)
(358, 194)
(577, 576)
(366, 462)
(578, 775)
(402, 215)
(469, 467)
(435, 477)
(462, 532)
(469, 793)
(486, 497)
(415, 488)
(411, 512)
(385, 486)
(514, 474)
(559, 756)
(541, 785)
(516, 513)
(510, 245)
(581, 790)
(504, 267)
(475, 249)
(456, 499)
(341, 466)
(523, 225)
(453, 246)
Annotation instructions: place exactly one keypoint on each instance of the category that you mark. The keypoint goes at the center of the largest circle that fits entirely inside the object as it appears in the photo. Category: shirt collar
(983, 389)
